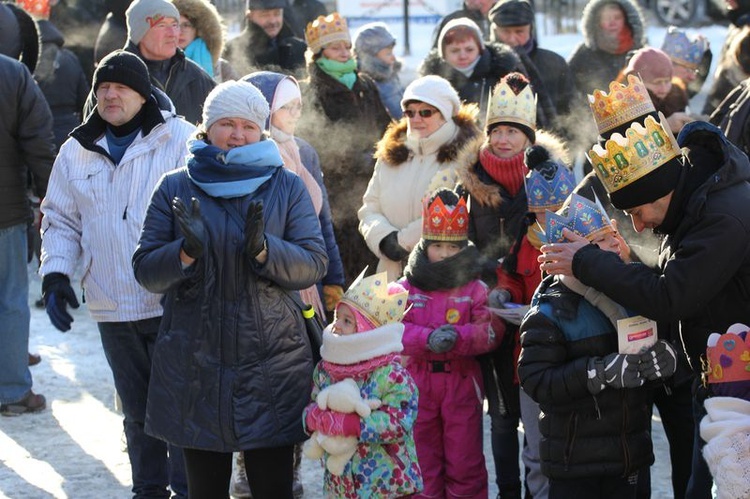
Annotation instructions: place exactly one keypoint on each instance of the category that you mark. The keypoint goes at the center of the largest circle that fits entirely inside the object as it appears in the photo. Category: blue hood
(267, 82)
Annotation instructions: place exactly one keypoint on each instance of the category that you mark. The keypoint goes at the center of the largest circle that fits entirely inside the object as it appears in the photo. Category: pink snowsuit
(448, 431)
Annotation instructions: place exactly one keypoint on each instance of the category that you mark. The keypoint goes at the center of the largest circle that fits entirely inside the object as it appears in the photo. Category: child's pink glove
(333, 423)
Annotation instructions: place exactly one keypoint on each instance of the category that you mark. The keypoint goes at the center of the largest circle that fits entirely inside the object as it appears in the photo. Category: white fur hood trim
(358, 347)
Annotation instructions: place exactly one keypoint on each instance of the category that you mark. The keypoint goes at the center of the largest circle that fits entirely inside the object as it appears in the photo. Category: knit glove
(333, 423)
(391, 249)
(332, 294)
(616, 370)
(658, 362)
(191, 225)
(498, 297)
(442, 339)
(255, 227)
(58, 294)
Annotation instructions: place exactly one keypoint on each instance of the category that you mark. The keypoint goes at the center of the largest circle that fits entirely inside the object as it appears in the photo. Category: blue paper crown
(584, 217)
(682, 49)
(543, 194)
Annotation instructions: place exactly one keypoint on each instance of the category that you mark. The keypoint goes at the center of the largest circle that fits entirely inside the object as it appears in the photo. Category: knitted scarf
(234, 173)
(197, 51)
(453, 272)
(605, 304)
(508, 172)
(343, 72)
(356, 355)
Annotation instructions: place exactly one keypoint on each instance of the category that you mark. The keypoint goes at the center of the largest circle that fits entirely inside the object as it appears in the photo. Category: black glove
(442, 339)
(192, 226)
(616, 370)
(658, 362)
(255, 227)
(391, 249)
(58, 295)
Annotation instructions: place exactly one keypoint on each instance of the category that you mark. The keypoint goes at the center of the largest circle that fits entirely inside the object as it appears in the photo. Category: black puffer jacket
(583, 435)
(252, 50)
(232, 364)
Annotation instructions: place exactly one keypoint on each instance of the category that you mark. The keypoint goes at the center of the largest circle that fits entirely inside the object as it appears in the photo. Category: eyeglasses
(186, 26)
(423, 113)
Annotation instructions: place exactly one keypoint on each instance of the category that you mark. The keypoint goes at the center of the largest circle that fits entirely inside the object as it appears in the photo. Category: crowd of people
(190, 184)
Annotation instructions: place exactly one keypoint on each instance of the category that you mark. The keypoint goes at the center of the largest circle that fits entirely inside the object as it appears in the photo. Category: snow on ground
(74, 449)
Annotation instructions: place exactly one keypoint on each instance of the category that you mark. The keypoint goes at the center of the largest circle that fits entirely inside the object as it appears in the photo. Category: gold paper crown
(440, 223)
(369, 296)
(505, 105)
(621, 105)
(728, 355)
(643, 149)
(325, 30)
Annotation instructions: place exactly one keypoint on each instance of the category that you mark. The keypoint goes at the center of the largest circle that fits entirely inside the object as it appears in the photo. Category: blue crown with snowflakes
(683, 50)
(545, 194)
(584, 217)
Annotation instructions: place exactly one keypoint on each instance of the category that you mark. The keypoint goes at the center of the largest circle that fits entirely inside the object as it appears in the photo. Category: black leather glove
(255, 228)
(658, 362)
(58, 294)
(191, 225)
(442, 339)
(616, 370)
(391, 249)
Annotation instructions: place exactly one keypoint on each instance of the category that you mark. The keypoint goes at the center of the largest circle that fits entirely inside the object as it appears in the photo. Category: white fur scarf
(358, 347)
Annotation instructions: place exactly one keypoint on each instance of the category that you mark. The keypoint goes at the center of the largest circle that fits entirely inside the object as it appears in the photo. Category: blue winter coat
(232, 363)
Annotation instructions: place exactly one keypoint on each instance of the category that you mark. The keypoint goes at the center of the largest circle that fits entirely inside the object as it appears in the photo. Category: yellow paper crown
(369, 296)
(728, 355)
(625, 159)
(505, 105)
(621, 105)
(325, 30)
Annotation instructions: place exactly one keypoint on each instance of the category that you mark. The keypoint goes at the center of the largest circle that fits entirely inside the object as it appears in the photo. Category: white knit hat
(142, 15)
(435, 91)
(286, 91)
(726, 430)
(235, 99)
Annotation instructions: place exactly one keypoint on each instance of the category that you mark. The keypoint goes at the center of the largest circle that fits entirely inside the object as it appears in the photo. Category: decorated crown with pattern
(506, 106)
(369, 296)
(584, 217)
(37, 8)
(682, 50)
(445, 223)
(548, 195)
(728, 355)
(643, 149)
(621, 105)
(325, 30)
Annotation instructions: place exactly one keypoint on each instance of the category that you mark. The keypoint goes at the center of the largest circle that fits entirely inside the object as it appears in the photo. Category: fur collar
(207, 22)
(392, 148)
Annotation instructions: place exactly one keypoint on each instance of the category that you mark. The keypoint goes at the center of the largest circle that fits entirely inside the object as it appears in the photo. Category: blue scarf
(234, 173)
(197, 51)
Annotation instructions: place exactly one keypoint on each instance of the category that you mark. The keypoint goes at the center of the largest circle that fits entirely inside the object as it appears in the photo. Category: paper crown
(548, 195)
(728, 355)
(369, 296)
(505, 105)
(37, 8)
(682, 50)
(325, 30)
(625, 159)
(441, 223)
(621, 105)
(584, 217)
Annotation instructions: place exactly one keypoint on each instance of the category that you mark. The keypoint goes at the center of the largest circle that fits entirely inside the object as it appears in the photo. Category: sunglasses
(424, 113)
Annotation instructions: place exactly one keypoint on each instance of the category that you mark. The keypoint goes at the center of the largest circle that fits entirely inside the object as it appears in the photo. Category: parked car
(685, 13)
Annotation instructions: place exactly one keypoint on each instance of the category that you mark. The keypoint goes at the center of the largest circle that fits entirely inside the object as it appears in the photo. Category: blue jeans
(15, 377)
(154, 464)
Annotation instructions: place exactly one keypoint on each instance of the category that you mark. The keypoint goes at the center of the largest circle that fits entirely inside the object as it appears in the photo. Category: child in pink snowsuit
(447, 325)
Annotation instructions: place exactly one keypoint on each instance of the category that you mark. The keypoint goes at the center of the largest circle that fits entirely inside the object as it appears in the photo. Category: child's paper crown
(728, 355)
(443, 223)
(682, 50)
(548, 195)
(585, 218)
(623, 104)
(506, 106)
(325, 30)
(369, 296)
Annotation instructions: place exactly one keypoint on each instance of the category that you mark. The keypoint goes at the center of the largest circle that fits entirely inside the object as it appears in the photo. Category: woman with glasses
(415, 157)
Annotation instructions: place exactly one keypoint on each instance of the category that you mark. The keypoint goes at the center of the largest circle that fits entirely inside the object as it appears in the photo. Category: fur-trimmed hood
(633, 16)
(208, 24)
(485, 193)
(392, 148)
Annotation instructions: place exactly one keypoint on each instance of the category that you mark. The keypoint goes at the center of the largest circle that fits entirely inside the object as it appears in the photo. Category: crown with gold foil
(584, 217)
(325, 30)
(625, 159)
(548, 195)
(621, 105)
(682, 50)
(37, 8)
(505, 105)
(728, 355)
(369, 296)
(443, 223)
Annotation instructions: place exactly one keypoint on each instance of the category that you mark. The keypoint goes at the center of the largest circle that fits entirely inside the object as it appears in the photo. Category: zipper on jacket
(572, 424)
(596, 406)
(624, 434)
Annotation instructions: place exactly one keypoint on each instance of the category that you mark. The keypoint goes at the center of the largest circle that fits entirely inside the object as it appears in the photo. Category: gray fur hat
(372, 38)
(235, 99)
(142, 15)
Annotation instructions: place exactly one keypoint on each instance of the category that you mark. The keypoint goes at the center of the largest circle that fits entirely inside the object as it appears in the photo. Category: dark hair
(516, 81)
(448, 197)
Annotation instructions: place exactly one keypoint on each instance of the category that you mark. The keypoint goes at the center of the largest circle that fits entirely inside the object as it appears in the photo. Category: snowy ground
(74, 448)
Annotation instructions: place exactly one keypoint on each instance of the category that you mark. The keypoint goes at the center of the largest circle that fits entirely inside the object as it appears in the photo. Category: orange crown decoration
(728, 355)
(369, 296)
(621, 105)
(37, 8)
(325, 30)
(505, 105)
(442, 223)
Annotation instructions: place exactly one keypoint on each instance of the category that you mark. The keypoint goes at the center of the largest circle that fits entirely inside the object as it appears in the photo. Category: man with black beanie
(96, 202)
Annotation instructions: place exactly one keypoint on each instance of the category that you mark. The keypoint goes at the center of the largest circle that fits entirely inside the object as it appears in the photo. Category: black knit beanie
(512, 13)
(648, 188)
(125, 68)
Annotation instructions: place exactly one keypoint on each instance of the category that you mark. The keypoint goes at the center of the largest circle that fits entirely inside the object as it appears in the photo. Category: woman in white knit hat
(224, 239)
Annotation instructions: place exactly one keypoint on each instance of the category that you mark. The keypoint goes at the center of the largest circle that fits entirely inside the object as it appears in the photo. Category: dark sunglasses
(424, 113)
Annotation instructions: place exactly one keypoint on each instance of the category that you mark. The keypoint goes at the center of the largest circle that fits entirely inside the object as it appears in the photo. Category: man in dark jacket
(267, 42)
(26, 144)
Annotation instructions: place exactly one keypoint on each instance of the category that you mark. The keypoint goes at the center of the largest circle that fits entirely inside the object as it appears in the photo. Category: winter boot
(239, 489)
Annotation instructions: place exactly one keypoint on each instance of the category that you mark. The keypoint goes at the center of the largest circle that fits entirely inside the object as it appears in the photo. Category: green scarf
(341, 71)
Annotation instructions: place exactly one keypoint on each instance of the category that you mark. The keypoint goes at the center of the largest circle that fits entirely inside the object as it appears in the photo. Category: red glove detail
(333, 423)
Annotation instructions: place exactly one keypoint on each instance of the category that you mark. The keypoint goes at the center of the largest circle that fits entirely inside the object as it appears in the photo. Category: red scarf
(507, 172)
(358, 370)
(625, 41)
